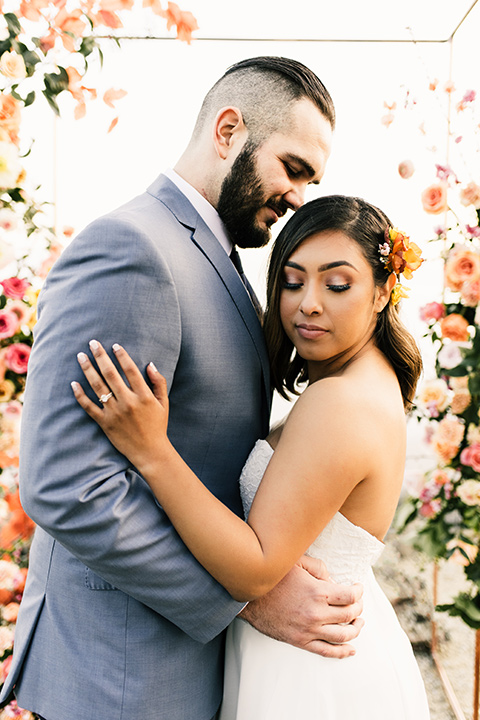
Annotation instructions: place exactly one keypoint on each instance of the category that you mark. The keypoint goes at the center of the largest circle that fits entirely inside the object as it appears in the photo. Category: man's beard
(241, 197)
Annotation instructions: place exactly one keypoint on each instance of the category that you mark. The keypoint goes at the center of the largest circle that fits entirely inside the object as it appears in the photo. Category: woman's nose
(311, 303)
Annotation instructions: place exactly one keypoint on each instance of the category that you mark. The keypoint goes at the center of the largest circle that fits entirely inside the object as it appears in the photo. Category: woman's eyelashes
(338, 288)
(294, 283)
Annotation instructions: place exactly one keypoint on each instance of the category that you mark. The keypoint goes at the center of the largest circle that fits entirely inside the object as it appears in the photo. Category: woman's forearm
(222, 542)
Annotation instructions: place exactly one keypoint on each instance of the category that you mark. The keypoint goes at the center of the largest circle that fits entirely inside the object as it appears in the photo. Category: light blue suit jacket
(118, 620)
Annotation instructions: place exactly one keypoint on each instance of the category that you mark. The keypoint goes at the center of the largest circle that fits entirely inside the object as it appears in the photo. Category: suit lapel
(165, 191)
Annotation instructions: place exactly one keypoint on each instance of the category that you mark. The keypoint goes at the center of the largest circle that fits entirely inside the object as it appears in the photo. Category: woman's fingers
(159, 384)
(94, 379)
(132, 373)
(90, 407)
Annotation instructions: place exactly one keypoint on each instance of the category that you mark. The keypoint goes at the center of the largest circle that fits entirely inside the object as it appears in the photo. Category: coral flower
(434, 198)
(454, 327)
(10, 116)
(405, 255)
(184, 21)
(462, 266)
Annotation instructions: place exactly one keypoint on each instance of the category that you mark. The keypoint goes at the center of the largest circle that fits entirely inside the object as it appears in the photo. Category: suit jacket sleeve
(110, 284)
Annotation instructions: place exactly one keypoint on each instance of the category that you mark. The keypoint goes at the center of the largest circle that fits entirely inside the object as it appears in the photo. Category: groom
(118, 619)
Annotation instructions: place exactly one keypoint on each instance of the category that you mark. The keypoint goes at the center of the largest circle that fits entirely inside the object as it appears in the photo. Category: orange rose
(10, 116)
(454, 327)
(462, 266)
(434, 199)
(447, 437)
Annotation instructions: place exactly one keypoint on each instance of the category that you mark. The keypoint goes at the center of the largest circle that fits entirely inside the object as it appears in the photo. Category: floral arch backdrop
(46, 49)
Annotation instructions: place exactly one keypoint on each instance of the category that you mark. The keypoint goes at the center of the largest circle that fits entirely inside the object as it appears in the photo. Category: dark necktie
(235, 258)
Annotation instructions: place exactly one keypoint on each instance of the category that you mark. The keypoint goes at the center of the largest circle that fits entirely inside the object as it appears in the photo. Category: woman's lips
(310, 332)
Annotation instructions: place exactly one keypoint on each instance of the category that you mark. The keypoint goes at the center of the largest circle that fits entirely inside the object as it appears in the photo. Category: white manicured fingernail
(82, 358)
(153, 367)
(116, 347)
(94, 344)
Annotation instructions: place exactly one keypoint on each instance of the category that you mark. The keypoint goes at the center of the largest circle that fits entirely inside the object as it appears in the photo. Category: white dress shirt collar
(206, 211)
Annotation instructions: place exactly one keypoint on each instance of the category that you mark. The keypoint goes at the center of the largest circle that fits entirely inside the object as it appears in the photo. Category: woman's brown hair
(366, 225)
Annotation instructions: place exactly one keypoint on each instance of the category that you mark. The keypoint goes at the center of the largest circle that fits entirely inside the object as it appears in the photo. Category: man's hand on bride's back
(308, 610)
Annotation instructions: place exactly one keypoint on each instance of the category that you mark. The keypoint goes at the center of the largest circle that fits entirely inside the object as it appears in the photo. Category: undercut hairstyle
(366, 225)
(264, 89)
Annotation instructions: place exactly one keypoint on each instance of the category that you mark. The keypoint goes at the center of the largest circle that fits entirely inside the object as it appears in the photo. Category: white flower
(8, 219)
(10, 167)
(8, 573)
(7, 254)
(450, 355)
(469, 492)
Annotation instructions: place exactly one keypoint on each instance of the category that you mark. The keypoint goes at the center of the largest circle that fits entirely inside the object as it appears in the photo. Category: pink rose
(8, 323)
(432, 311)
(434, 199)
(471, 456)
(406, 169)
(16, 358)
(429, 509)
(470, 293)
(15, 287)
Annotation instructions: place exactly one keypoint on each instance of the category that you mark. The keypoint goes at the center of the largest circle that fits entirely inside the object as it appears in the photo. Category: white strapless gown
(270, 680)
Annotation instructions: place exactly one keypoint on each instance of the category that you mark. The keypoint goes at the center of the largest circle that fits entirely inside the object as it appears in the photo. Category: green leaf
(466, 607)
(52, 102)
(3, 301)
(87, 46)
(28, 101)
(55, 83)
(13, 24)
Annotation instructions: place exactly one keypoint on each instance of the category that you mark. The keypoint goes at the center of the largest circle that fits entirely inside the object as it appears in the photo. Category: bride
(326, 482)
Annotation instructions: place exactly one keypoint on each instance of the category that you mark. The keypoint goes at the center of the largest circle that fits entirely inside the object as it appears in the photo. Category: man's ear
(383, 293)
(228, 131)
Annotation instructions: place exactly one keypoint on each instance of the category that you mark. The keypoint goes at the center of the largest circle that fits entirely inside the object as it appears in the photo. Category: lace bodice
(347, 550)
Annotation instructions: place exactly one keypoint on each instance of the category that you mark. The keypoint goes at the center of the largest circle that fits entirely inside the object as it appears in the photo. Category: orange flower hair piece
(400, 256)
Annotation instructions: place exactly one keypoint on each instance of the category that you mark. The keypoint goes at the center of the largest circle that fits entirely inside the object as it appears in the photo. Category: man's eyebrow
(305, 164)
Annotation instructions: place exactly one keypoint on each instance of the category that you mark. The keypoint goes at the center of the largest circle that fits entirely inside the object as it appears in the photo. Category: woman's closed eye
(338, 288)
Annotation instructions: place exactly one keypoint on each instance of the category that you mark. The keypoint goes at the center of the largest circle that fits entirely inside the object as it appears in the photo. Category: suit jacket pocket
(95, 582)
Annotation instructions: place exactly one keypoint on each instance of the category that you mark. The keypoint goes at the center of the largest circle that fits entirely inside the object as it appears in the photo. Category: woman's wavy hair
(366, 225)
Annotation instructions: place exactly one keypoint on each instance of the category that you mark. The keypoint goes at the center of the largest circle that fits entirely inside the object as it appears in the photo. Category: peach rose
(447, 437)
(462, 266)
(454, 327)
(12, 65)
(434, 199)
(470, 195)
(460, 401)
(406, 169)
(471, 456)
(434, 396)
(10, 612)
(469, 490)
